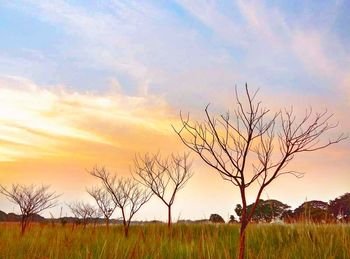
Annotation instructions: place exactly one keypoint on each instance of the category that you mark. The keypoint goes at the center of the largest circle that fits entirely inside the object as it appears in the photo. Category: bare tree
(104, 201)
(84, 211)
(164, 177)
(30, 199)
(126, 194)
(254, 146)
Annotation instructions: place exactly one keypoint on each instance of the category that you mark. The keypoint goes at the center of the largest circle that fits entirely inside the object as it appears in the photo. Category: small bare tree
(104, 201)
(84, 211)
(254, 146)
(30, 199)
(126, 194)
(164, 177)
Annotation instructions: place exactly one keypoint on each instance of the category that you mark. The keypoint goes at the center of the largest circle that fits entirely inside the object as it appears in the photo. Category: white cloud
(150, 47)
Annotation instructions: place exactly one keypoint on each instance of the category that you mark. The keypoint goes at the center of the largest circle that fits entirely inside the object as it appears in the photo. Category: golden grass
(184, 241)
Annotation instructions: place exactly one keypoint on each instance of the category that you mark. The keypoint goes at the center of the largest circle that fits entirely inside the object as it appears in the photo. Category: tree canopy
(266, 210)
(340, 207)
(315, 211)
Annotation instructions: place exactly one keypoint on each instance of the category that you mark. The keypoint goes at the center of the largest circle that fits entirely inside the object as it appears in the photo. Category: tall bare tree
(164, 177)
(30, 199)
(104, 201)
(126, 193)
(84, 211)
(254, 146)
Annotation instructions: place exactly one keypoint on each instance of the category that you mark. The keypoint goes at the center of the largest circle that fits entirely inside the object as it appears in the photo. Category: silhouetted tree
(254, 146)
(216, 218)
(340, 207)
(126, 194)
(232, 220)
(288, 216)
(31, 200)
(313, 211)
(265, 211)
(239, 211)
(84, 211)
(164, 177)
(104, 201)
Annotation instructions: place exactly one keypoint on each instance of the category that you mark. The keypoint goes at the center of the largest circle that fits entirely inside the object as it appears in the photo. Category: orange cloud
(58, 128)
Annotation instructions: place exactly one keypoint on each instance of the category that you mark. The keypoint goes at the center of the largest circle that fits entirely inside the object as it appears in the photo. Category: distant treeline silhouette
(268, 211)
(337, 210)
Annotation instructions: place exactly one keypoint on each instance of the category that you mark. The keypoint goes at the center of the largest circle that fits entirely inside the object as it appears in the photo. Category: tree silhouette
(84, 211)
(164, 177)
(265, 211)
(30, 199)
(313, 211)
(126, 194)
(254, 146)
(340, 207)
(216, 218)
(104, 201)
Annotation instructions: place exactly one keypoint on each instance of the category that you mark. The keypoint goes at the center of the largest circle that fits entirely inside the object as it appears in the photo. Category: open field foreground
(185, 241)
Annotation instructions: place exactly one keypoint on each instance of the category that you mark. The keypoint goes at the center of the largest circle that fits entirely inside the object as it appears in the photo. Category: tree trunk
(244, 223)
(23, 224)
(84, 223)
(242, 241)
(126, 226)
(169, 216)
(107, 223)
(126, 231)
(245, 219)
(124, 221)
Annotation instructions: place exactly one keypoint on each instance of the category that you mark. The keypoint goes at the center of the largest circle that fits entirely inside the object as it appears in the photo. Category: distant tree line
(337, 210)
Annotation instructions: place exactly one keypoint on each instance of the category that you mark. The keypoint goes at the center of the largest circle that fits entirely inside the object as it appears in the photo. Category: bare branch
(30, 199)
(126, 194)
(163, 176)
(103, 200)
(255, 146)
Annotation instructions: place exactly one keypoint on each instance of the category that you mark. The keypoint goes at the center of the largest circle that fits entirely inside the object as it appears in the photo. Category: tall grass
(184, 241)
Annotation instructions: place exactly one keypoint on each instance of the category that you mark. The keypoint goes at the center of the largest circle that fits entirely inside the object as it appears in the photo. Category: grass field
(185, 241)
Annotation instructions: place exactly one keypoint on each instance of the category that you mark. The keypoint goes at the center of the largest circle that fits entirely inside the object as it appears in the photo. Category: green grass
(185, 241)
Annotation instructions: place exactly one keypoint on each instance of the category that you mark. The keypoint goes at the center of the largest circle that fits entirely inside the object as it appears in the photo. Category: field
(184, 241)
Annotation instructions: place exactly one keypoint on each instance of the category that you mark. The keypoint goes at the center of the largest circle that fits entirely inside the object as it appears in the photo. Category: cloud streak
(50, 119)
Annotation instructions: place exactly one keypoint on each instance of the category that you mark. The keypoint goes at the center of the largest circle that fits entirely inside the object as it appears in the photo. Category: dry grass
(184, 241)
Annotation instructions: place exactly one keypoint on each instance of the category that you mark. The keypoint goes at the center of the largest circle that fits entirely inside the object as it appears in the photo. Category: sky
(86, 83)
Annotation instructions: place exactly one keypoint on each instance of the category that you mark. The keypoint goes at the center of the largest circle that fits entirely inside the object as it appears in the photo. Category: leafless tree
(254, 146)
(84, 211)
(126, 193)
(104, 201)
(30, 199)
(164, 177)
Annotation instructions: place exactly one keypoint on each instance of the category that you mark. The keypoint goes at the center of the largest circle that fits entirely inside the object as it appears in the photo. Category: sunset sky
(86, 83)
